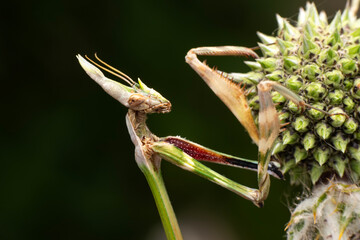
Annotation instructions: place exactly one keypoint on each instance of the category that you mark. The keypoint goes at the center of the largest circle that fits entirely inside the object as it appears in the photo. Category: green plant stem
(163, 204)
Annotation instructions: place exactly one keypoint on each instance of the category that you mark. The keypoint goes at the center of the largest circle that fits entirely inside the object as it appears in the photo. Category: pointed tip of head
(79, 57)
(90, 69)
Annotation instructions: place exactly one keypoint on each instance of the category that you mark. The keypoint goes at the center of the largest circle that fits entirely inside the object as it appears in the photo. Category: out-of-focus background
(67, 169)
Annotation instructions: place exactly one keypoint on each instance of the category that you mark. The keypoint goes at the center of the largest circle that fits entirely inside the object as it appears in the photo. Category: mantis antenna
(121, 75)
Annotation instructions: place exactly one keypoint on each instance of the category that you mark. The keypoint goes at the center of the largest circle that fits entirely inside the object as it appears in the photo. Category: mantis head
(137, 96)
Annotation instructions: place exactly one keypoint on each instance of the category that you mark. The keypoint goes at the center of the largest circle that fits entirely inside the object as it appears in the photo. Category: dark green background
(67, 168)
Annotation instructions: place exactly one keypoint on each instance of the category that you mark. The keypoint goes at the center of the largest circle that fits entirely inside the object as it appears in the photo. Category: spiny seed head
(318, 61)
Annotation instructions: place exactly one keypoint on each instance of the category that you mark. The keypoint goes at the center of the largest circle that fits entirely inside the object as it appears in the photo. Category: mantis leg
(269, 129)
(185, 154)
(269, 126)
(176, 156)
(234, 98)
(290, 95)
(232, 94)
(201, 153)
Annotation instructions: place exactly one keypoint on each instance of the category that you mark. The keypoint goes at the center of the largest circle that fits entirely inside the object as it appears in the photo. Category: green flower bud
(254, 103)
(311, 72)
(340, 142)
(266, 39)
(316, 172)
(349, 104)
(348, 66)
(322, 154)
(269, 50)
(348, 84)
(334, 78)
(350, 126)
(278, 147)
(310, 30)
(328, 57)
(355, 91)
(277, 76)
(309, 141)
(355, 167)
(290, 32)
(290, 164)
(302, 18)
(355, 33)
(354, 151)
(323, 19)
(345, 17)
(249, 78)
(315, 114)
(253, 65)
(285, 46)
(312, 15)
(277, 97)
(309, 48)
(286, 30)
(293, 107)
(300, 154)
(333, 26)
(357, 134)
(301, 124)
(339, 163)
(294, 83)
(290, 137)
(315, 91)
(323, 130)
(284, 116)
(291, 63)
(336, 97)
(334, 40)
(337, 120)
(353, 50)
(268, 64)
(297, 174)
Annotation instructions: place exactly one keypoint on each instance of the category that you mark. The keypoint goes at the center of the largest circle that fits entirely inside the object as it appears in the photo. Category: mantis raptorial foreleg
(234, 97)
(229, 92)
(184, 153)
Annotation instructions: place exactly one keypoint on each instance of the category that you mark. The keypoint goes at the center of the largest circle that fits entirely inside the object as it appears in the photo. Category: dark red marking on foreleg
(196, 151)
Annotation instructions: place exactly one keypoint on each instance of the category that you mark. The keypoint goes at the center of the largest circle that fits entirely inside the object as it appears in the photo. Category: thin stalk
(163, 204)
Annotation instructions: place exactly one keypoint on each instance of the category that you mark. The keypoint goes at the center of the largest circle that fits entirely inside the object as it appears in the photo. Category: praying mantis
(232, 90)
(150, 149)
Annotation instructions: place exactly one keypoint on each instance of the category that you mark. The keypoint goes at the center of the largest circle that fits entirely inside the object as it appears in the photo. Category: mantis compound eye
(135, 100)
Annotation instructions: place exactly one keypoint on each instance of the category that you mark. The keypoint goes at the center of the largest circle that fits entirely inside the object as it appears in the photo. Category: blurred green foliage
(67, 167)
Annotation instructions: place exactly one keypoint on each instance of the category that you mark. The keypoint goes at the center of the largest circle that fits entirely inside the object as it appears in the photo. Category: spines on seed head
(266, 39)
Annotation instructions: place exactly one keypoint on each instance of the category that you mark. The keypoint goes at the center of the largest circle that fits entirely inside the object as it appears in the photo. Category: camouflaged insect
(300, 104)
